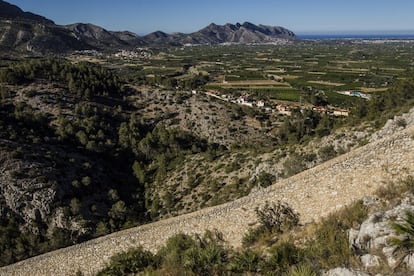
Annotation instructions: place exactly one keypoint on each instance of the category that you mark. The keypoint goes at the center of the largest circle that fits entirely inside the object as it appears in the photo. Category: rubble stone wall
(314, 194)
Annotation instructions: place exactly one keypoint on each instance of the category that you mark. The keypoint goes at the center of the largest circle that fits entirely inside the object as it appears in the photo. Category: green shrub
(204, 255)
(400, 122)
(281, 257)
(133, 261)
(208, 259)
(404, 242)
(408, 184)
(278, 217)
(245, 261)
(330, 246)
(253, 235)
(301, 270)
(264, 179)
(293, 164)
(274, 219)
(327, 152)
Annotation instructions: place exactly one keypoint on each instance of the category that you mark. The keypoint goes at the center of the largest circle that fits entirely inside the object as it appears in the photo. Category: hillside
(241, 33)
(12, 12)
(86, 152)
(30, 33)
(216, 34)
(84, 155)
(189, 138)
(338, 182)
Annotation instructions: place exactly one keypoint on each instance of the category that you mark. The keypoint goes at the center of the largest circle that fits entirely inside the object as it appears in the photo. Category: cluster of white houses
(138, 53)
(356, 94)
(242, 100)
(282, 109)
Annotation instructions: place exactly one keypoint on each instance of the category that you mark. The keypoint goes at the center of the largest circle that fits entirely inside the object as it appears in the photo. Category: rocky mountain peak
(157, 34)
(249, 26)
(12, 12)
(85, 36)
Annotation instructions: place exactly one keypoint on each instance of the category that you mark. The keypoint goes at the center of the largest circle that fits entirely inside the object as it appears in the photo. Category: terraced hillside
(313, 193)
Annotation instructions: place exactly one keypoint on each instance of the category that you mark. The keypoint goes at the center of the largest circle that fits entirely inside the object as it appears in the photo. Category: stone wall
(313, 193)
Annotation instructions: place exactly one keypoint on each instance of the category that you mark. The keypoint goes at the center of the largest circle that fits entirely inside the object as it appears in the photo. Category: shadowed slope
(313, 193)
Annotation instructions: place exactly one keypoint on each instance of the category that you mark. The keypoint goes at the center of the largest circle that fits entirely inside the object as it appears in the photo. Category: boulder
(341, 271)
(374, 233)
(370, 261)
(409, 262)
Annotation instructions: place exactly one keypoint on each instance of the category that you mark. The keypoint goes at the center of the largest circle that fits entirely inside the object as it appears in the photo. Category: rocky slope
(371, 240)
(241, 33)
(28, 32)
(100, 38)
(12, 12)
(205, 181)
(233, 124)
(313, 193)
(228, 33)
(56, 187)
(42, 191)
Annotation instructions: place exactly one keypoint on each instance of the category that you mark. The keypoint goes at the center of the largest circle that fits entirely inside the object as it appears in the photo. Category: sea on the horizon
(407, 36)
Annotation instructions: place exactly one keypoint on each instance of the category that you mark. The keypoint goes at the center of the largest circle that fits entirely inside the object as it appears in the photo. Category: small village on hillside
(271, 107)
(153, 138)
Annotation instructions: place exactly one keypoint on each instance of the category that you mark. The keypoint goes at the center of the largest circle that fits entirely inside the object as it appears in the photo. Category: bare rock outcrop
(314, 193)
(341, 271)
(373, 236)
(28, 196)
(398, 123)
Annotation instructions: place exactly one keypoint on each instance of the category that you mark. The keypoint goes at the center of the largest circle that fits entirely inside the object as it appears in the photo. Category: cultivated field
(287, 72)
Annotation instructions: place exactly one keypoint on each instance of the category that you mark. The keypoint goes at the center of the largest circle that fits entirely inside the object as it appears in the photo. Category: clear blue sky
(300, 16)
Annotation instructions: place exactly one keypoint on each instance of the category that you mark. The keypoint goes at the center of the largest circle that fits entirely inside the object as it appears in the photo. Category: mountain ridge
(9, 11)
(22, 31)
(229, 33)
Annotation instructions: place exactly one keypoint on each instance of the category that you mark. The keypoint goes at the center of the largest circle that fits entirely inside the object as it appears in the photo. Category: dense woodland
(115, 157)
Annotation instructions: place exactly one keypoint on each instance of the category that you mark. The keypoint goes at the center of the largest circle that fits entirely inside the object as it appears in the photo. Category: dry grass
(164, 68)
(392, 69)
(289, 77)
(347, 62)
(79, 59)
(317, 73)
(328, 83)
(353, 70)
(372, 90)
(249, 83)
(279, 70)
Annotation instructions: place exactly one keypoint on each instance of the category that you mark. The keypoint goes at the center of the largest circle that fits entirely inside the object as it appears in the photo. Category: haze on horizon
(300, 16)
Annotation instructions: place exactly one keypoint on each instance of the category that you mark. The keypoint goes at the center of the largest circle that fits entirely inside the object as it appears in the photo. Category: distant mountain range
(229, 33)
(25, 31)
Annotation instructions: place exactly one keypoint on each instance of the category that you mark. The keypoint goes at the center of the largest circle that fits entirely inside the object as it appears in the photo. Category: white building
(261, 103)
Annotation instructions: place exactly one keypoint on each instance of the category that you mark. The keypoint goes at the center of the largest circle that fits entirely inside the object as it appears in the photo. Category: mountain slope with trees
(83, 154)
(30, 33)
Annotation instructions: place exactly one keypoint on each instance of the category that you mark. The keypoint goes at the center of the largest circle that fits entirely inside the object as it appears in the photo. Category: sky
(300, 16)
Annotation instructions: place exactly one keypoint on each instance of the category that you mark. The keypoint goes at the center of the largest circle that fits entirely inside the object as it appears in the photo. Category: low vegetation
(107, 139)
(280, 246)
(404, 242)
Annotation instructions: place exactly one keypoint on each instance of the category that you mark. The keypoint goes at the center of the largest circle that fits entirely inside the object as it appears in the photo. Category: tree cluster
(82, 79)
(382, 105)
(303, 125)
